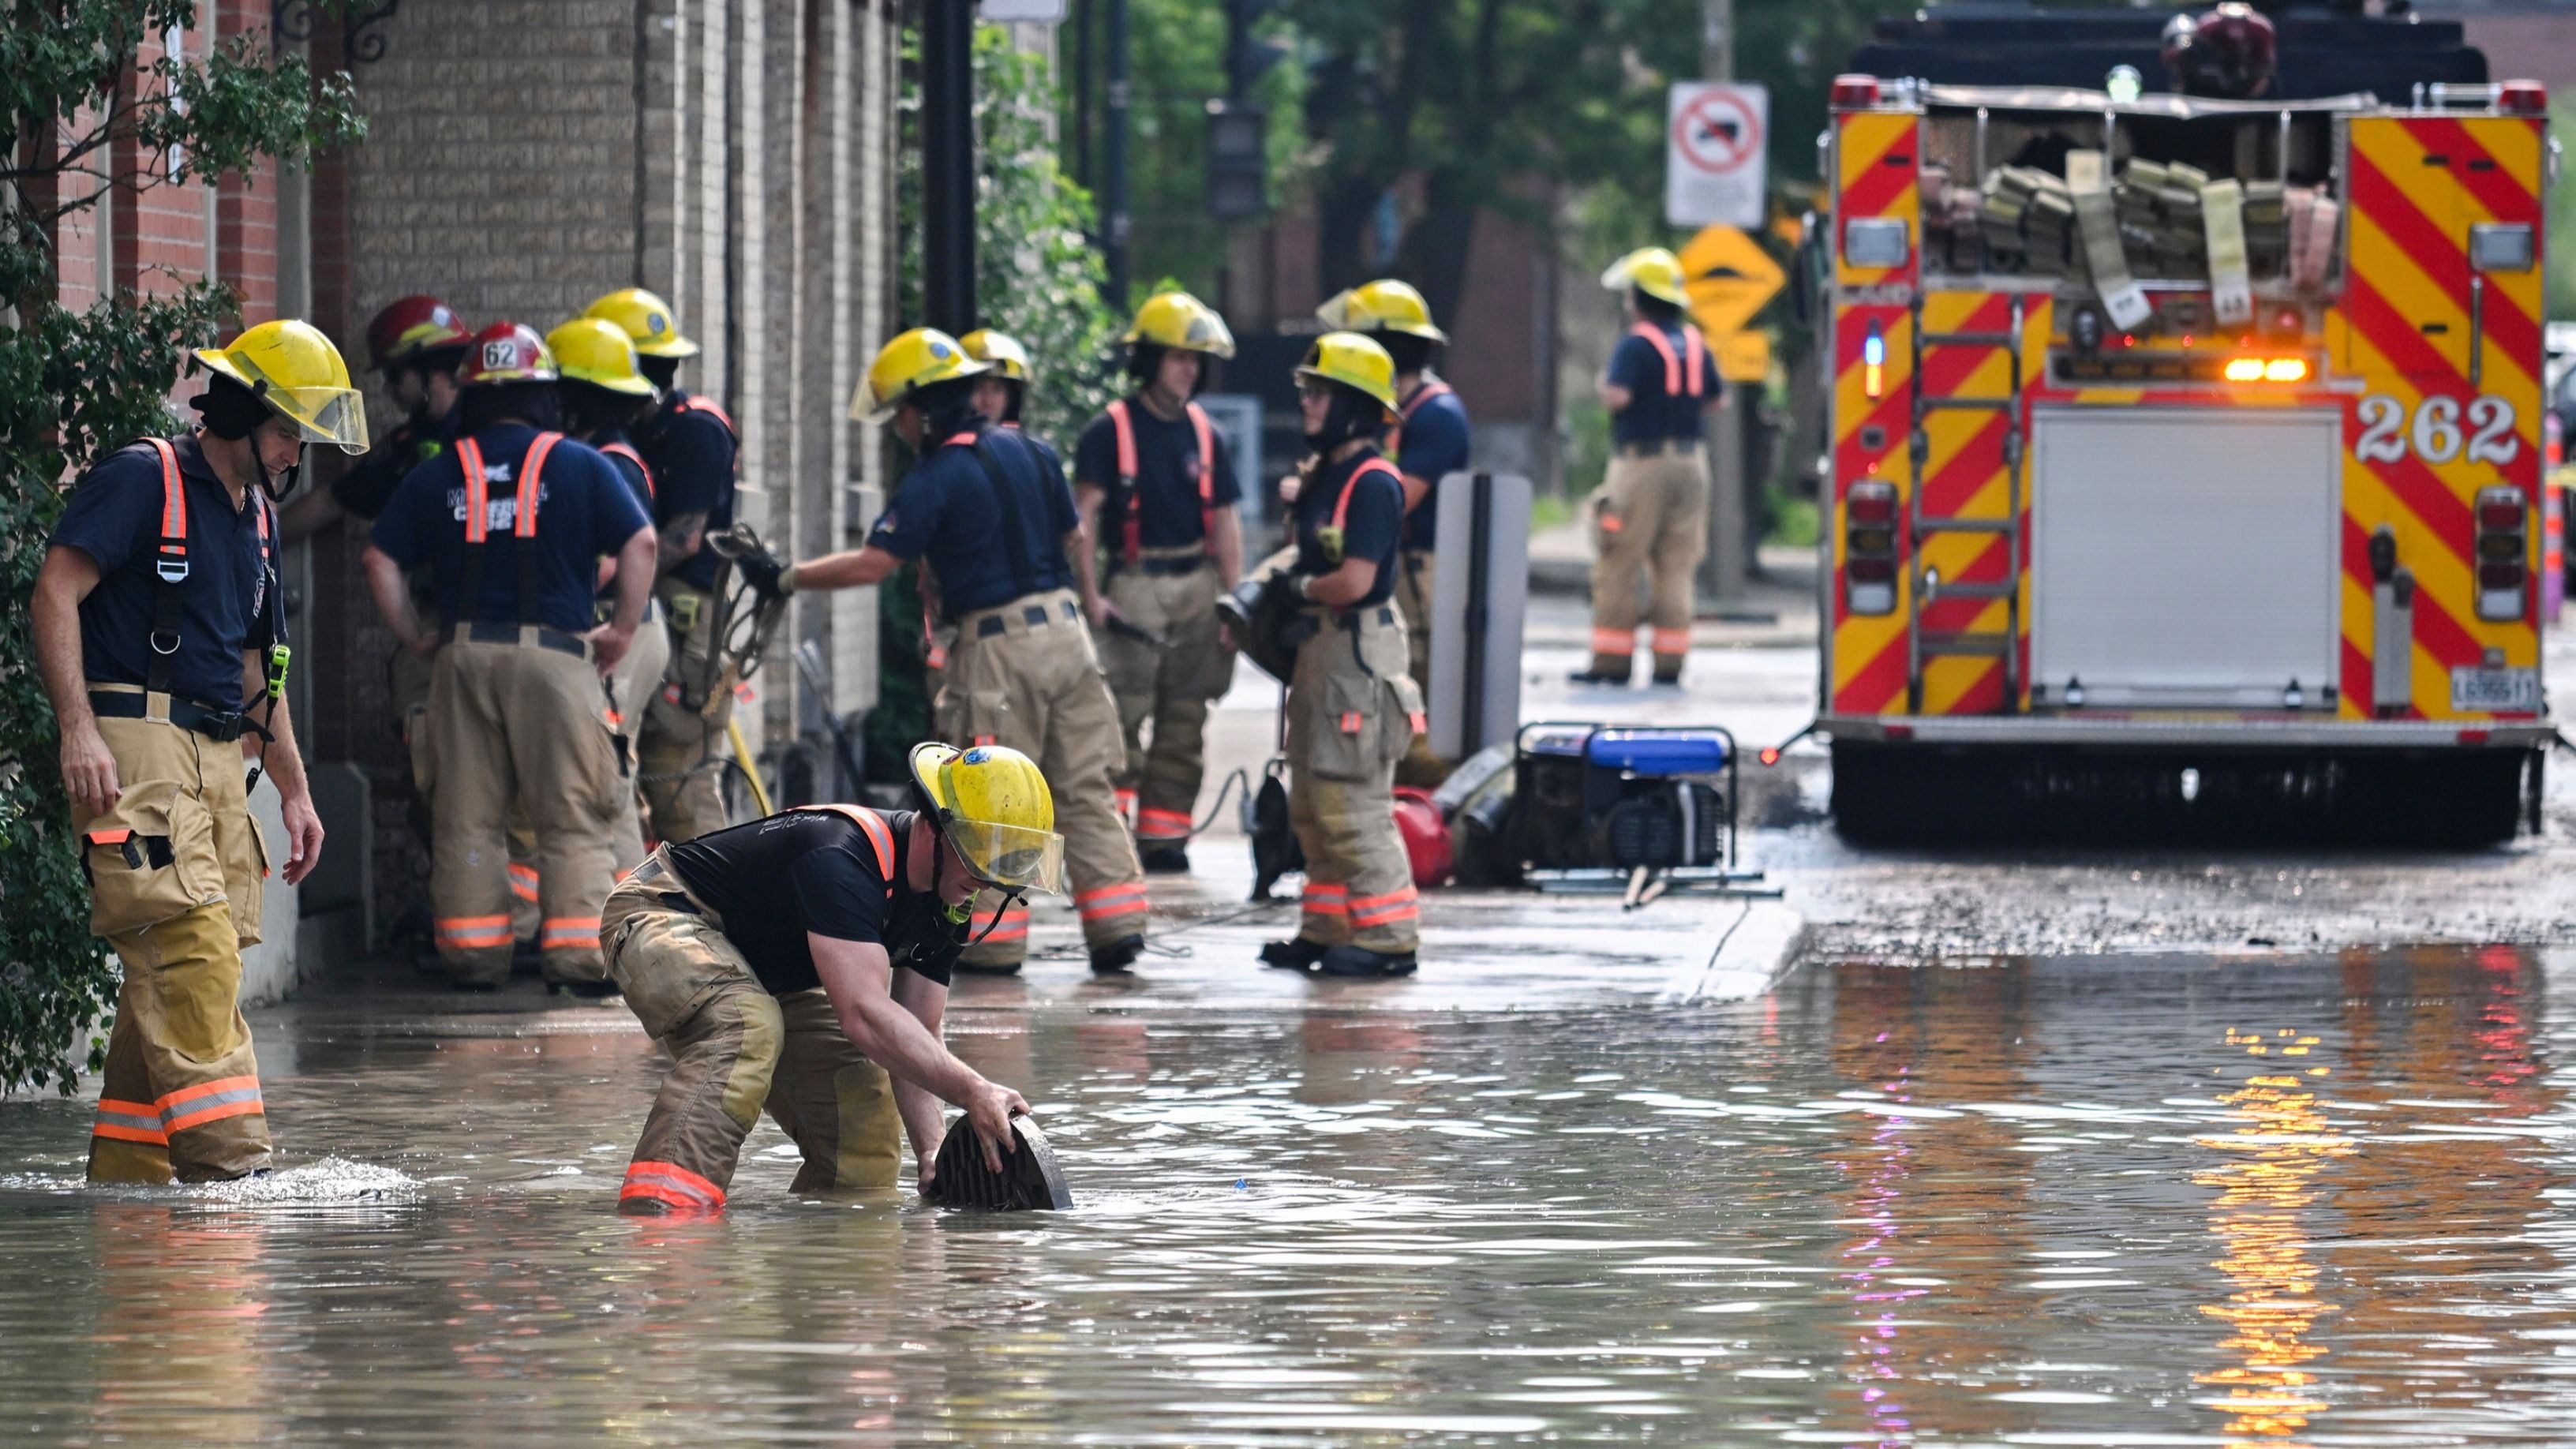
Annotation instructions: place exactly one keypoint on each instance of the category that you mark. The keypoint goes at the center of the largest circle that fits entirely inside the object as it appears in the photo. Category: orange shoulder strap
(1350, 485)
(873, 825)
(628, 453)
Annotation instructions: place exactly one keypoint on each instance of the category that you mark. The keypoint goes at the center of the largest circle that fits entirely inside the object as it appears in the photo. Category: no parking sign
(1713, 140)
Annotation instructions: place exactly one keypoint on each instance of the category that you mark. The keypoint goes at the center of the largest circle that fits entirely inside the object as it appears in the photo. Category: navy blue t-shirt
(365, 489)
(584, 512)
(946, 512)
(229, 597)
(1372, 525)
(1168, 513)
(1429, 444)
(1654, 412)
(692, 456)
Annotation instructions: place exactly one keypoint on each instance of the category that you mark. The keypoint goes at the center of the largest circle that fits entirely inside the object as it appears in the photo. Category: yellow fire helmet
(1007, 358)
(1179, 320)
(1355, 362)
(293, 368)
(905, 366)
(597, 351)
(647, 320)
(992, 803)
(1385, 305)
(1654, 271)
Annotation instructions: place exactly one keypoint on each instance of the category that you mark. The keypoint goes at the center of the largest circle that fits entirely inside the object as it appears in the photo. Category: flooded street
(2182, 1200)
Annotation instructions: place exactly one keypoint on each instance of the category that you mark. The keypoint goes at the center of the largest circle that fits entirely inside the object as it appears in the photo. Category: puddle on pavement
(2077, 1202)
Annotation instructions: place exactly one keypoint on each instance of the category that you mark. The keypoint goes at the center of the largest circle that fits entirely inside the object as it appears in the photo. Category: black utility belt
(1656, 447)
(1034, 615)
(220, 725)
(1168, 568)
(555, 639)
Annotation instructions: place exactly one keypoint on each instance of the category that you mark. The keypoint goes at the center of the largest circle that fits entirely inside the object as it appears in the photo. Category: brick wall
(526, 155)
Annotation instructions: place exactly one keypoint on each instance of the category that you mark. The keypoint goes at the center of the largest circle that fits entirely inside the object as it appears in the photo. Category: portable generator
(1622, 798)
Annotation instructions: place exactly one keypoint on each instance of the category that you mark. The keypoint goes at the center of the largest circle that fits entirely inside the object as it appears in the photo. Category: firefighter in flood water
(800, 965)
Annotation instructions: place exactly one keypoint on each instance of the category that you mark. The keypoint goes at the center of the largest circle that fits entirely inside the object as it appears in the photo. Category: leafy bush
(76, 384)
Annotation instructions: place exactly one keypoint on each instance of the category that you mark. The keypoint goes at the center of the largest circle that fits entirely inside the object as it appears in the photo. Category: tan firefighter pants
(1172, 687)
(735, 1050)
(1024, 675)
(682, 746)
(1352, 711)
(1649, 530)
(632, 685)
(510, 723)
(175, 868)
(410, 675)
(1415, 574)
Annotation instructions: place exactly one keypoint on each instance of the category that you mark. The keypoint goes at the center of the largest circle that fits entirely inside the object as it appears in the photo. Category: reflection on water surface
(2162, 1202)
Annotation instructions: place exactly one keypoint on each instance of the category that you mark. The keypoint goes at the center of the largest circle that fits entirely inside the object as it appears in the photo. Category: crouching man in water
(795, 962)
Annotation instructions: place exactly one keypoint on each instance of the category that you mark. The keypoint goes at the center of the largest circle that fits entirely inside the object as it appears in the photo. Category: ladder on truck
(1924, 644)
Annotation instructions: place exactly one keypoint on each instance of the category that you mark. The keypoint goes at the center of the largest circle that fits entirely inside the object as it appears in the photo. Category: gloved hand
(766, 572)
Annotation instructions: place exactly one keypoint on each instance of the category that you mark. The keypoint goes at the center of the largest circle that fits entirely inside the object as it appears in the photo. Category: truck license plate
(2476, 690)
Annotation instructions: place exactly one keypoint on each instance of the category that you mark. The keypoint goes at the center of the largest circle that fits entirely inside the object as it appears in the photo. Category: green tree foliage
(73, 385)
(1176, 65)
(1037, 278)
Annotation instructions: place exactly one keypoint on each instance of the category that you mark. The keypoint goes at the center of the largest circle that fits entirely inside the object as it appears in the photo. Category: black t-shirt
(1168, 508)
(1372, 523)
(228, 602)
(365, 489)
(774, 880)
(691, 452)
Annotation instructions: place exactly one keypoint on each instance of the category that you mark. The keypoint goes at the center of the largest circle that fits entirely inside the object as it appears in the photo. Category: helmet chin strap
(965, 910)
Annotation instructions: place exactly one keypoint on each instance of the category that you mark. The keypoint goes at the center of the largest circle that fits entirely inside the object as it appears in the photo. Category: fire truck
(2185, 453)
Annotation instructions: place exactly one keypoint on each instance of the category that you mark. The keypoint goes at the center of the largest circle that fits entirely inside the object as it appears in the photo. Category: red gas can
(1426, 836)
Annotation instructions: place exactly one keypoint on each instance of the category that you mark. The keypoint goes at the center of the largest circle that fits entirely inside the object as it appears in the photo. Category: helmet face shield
(1008, 857)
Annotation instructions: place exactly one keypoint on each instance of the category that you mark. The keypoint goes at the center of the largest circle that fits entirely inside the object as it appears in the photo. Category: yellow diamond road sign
(1729, 277)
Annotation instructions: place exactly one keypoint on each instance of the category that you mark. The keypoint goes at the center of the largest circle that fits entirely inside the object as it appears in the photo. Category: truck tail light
(1869, 548)
(2503, 546)
(1854, 92)
(2514, 97)
(1873, 361)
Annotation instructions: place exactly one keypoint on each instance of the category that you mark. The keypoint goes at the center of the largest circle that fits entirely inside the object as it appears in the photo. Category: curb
(1754, 953)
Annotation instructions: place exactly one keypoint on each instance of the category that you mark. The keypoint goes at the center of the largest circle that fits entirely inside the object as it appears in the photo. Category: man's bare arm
(855, 978)
(284, 764)
(89, 771)
(393, 600)
(681, 538)
(309, 515)
(851, 568)
(927, 1000)
(1226, 543)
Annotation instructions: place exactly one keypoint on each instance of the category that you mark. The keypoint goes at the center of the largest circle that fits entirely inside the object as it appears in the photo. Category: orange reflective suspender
(1696, 350)
(627, 452)
(523, 525)
(696, 404)
(171, 565)
(1131, 522)
(1206, 434)
(879, 834)
(1342, 505)
(1423, 394)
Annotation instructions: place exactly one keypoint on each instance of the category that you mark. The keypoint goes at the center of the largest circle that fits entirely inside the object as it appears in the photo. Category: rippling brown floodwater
(2068, 1202)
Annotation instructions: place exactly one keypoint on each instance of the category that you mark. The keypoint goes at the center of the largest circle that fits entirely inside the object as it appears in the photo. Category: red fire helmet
(409, 325)
(506, 352)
